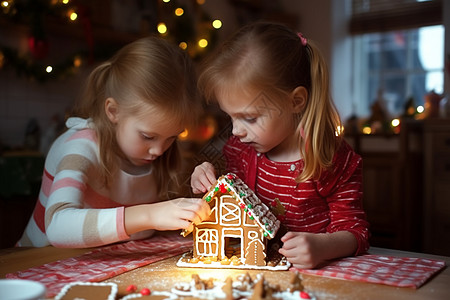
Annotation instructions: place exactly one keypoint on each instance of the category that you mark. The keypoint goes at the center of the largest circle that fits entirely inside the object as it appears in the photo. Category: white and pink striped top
(330, 204)
(74, 208)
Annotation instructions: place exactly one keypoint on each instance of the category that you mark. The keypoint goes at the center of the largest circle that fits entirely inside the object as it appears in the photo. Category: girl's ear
(299, 98)
(112, 110)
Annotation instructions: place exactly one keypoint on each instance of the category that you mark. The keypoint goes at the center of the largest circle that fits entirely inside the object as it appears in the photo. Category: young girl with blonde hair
(106, 178)
(286, 145)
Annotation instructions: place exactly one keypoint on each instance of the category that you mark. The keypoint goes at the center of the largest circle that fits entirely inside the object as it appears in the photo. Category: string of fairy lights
(191, 28)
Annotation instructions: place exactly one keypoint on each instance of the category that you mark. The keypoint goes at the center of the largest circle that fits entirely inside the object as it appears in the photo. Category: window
(398, 49)
(207, 242)
(398, 65)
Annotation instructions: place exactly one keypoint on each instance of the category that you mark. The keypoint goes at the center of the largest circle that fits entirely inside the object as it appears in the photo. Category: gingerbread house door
(232, 242)
(230, 219)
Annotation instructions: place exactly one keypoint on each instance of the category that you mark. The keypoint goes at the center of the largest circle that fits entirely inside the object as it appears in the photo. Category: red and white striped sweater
(74, 208)
(330, 204)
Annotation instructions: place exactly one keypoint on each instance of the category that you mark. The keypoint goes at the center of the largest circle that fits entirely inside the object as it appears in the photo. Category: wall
(323, 21)
(22, 99)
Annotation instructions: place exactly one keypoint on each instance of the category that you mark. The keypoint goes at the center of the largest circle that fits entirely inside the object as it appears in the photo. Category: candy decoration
(145, 292)
(131, 288)
(222, 188)
(304, 295)
(208, 198)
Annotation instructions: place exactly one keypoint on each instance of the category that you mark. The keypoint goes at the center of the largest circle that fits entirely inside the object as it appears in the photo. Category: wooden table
(163, 274)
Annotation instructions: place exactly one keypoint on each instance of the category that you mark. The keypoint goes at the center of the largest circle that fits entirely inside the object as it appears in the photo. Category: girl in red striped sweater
(286, 145)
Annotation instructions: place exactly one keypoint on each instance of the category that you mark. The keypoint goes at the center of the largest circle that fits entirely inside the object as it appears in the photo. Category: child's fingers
(206, 211)
(197, 184)
(196, 190)
(190, 228)
(210, 173)
(208, 168)
(289, 235)
(288, 245)
(205, 181)
(289, 254)
(196, 219)
(203, 177)
(198, 187)
(193, 209)
(201, 209)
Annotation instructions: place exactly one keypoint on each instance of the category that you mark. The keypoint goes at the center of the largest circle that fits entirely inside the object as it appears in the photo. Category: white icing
(242, 288)
(65, 289)
(217, 265)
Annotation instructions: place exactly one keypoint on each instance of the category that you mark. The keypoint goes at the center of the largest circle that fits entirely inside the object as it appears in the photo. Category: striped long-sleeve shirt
(74, 208)
(330, 204)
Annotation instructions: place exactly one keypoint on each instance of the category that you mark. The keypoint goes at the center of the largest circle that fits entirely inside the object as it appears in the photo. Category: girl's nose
(156, 150)
(238, 129)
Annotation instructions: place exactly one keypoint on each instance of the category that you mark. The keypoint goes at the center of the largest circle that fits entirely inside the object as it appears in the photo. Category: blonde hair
(147, 71)
(272, 58)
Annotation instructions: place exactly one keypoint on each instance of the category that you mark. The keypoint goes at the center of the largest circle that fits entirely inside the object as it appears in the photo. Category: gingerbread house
(238, 228)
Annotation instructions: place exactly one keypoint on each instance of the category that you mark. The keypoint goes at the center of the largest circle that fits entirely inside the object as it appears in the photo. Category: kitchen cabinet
(393, 185)
(436, 213)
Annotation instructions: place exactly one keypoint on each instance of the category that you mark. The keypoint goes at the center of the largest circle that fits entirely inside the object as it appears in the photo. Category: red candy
(222, 188)
(304, 295)
(145, 292)
(131, 288)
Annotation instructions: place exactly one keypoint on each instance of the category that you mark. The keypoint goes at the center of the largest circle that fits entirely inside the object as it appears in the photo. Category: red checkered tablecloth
(106, 262)
(394, 271)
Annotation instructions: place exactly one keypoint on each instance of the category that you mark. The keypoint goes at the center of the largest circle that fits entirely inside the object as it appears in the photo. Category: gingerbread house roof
(247, 200)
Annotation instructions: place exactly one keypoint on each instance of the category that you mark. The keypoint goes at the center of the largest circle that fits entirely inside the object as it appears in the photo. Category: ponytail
(319, 121)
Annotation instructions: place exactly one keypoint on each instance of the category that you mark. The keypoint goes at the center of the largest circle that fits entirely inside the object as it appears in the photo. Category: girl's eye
(146, 137)
(250, 120)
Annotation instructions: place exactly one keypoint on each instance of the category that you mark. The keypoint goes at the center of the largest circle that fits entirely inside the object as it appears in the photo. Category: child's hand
(203, 177)
(306, 250)
(180, 213)
(302, 249)
(167, 215)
